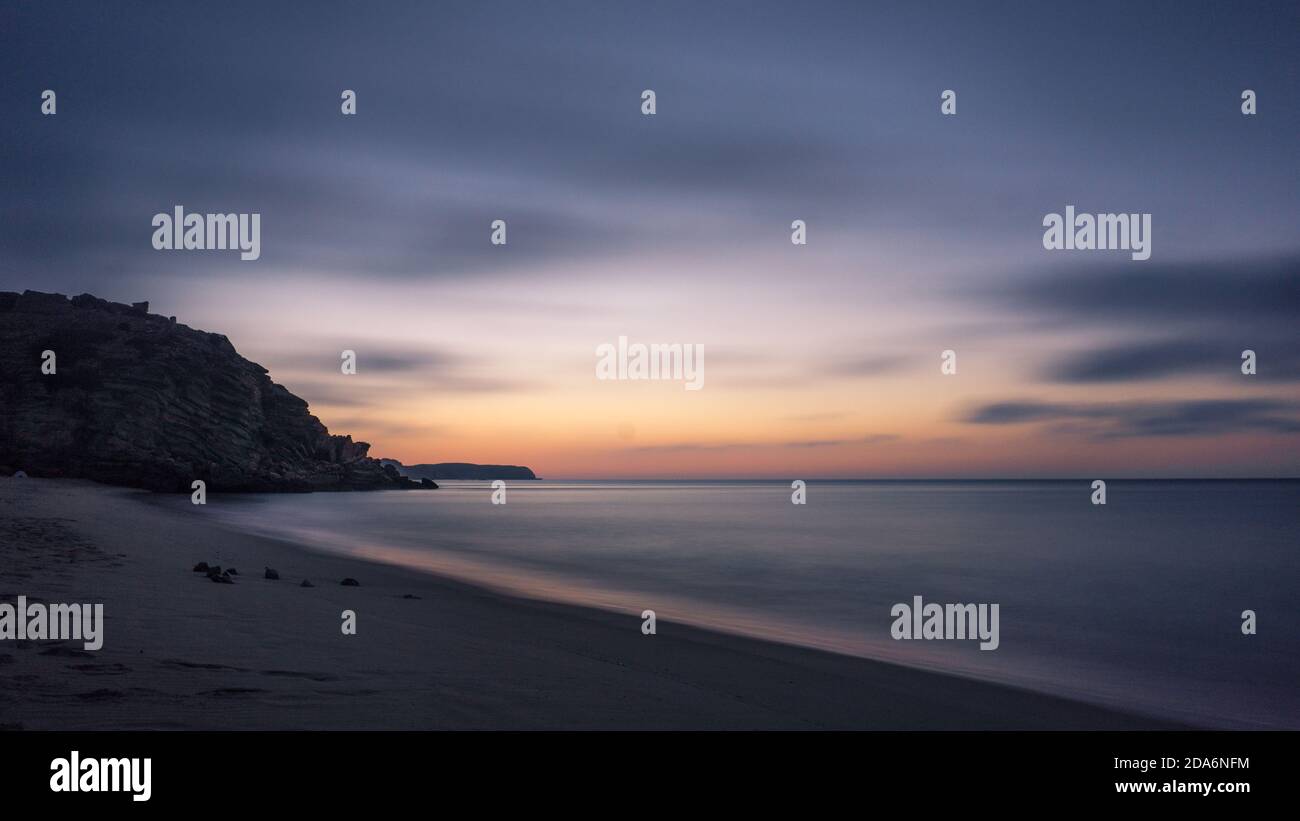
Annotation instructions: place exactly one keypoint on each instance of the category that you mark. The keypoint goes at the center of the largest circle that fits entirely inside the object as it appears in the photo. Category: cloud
(814, 417)
(1187, 355)
(865, 366)
(384, 373)
(766, 371)
(374, 358)
(869, 439)
(1199, 417)
(1179, 318)
(1245, 293)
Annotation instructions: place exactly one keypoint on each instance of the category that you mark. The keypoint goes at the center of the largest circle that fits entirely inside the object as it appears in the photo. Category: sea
(1139, 603)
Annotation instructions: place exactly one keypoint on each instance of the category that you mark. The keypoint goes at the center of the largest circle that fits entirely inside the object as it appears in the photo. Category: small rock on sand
(350, 583)
(201, 567)
(271, 574)
(306, 583)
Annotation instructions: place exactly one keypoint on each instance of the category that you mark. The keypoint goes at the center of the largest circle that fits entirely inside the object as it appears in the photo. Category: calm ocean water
(1136, 604)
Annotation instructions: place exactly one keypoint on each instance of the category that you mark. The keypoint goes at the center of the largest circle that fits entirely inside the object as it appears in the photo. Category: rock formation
(137, 399)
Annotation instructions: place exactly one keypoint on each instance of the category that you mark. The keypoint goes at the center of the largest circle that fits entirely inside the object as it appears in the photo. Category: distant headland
(461, 470)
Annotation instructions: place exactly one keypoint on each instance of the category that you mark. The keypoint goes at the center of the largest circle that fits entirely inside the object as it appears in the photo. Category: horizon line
(903, 479)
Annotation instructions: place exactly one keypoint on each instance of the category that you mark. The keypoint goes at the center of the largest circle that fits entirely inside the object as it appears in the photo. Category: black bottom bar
(389, 770)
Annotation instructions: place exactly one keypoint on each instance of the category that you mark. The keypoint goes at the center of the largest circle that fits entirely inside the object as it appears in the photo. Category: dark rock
(220, 578)
(141, 401)
(350, 583)
(272, 575)
(201, 567)
(410, 596)
(306, 583)
(232, 571)
(462, 470)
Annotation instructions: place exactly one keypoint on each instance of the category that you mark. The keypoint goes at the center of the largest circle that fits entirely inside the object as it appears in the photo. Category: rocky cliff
(137, 399)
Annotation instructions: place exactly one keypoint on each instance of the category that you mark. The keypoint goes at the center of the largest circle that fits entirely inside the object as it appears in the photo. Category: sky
(924, 231)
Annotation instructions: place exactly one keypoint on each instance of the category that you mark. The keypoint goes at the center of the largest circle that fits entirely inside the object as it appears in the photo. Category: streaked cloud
(1194, 417)
(868, 439)
(1212, 356)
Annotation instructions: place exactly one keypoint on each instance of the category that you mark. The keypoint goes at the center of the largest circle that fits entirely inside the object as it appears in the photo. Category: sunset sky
(924, 231)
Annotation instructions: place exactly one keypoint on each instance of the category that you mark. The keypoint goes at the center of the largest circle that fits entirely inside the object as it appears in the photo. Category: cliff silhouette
(138, 399)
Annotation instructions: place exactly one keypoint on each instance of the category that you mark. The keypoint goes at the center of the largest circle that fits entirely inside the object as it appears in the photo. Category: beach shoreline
(181, 652)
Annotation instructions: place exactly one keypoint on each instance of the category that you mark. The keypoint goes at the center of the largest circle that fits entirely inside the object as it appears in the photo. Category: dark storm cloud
(1208, 417)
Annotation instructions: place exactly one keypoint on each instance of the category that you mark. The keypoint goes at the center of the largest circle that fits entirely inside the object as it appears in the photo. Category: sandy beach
(181, 652)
